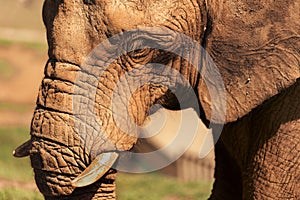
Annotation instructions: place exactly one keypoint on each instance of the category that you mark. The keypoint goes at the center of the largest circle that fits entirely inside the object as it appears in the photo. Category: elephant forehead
(131, 14)
(76, 27)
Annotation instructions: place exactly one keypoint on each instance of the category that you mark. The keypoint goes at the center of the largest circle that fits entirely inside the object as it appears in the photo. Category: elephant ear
(256, 49)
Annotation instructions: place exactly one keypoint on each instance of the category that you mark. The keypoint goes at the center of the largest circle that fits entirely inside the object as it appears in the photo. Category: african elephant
(255, 46)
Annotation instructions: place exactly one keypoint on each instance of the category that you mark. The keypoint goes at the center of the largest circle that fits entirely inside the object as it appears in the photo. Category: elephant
(255, 47)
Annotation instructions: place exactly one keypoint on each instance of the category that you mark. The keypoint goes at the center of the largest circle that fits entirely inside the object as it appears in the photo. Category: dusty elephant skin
(255, 45)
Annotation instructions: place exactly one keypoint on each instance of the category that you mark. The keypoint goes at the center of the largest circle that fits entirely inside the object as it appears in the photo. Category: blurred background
(23, 54)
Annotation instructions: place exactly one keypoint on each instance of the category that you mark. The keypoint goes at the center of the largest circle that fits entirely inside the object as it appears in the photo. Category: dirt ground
(20, 89)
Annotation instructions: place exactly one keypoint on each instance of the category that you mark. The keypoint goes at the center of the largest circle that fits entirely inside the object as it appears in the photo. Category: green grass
(135, 187)
(6, 70)
(36, 46)
(19, 108)
(152, 186)
(5, 42)
(17, 194)
(10, 167)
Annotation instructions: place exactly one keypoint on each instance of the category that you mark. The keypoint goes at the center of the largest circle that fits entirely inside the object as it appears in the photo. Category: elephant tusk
(23, 150)
(99, 166)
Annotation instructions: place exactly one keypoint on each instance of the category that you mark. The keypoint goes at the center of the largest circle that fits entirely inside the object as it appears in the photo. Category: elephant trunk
(72, 146)
(57, 153)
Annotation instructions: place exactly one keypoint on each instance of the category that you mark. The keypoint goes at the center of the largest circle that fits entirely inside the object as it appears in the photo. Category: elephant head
(244, 39)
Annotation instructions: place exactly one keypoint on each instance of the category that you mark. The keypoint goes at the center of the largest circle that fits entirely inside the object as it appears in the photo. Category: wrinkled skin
(256, 48)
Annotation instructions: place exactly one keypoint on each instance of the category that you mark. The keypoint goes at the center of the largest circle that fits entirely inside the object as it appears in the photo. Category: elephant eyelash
(89, 2)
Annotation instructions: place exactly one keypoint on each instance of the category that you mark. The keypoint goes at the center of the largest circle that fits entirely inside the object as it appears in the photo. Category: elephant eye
(89, 2)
